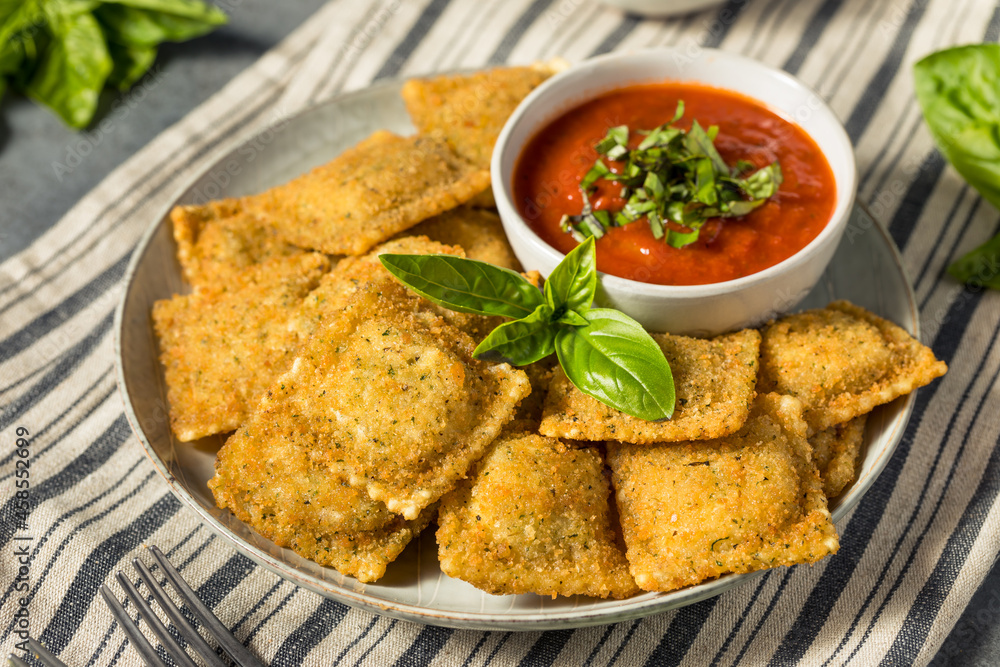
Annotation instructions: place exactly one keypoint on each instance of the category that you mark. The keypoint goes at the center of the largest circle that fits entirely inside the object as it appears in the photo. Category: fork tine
(138, 640)
(46, 656)
(16, 661)
(193, 637)
(240, 653)
(154, 622)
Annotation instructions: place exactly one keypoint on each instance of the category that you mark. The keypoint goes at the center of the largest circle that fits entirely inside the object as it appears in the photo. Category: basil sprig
(672, 175)
(63, 53)
(604, 352)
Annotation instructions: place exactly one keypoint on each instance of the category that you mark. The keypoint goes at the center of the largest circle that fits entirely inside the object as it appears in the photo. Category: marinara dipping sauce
(549, 170)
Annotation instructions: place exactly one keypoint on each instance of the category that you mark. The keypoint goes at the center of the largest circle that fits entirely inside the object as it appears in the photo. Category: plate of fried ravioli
(336, 427)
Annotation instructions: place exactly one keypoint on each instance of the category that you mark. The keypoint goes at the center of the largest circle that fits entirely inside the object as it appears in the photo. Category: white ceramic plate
(865, 270)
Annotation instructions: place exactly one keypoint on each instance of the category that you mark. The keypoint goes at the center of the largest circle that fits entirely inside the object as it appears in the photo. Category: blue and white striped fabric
(912, 553)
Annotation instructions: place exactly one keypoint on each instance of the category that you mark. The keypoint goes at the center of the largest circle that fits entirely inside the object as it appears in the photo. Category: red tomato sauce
(552, 164)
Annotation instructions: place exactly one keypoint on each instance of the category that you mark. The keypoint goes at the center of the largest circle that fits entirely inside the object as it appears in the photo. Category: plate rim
(517, 621)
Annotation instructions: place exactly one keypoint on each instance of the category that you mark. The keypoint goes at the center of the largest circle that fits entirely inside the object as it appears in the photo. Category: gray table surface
(33, 197)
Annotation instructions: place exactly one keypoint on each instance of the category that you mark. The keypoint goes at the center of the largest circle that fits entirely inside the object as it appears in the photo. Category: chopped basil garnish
(675, 176)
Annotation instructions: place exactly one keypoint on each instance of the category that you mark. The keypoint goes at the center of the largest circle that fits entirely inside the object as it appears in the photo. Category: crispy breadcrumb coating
(535, 518)
(748, 501)
(713, 382)
(842, 361)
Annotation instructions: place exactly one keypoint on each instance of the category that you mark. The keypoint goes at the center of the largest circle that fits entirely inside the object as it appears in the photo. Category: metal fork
(236, 650)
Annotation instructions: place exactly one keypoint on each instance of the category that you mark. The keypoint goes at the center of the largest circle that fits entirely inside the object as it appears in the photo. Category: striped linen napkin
(912, 553)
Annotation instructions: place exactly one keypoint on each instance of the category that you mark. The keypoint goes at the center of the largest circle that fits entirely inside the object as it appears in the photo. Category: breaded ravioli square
(222, 346)
(713, 381)
(394, 390)
(369, 193)
(842, 361)
(469, 110)
(296, 494)
(836, 451)
(220, 238)
(478, 232)
(535, 518)
(353, 273)
(697, 510)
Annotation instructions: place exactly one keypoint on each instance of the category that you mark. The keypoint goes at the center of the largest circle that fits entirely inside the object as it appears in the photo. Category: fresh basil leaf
(700, 143)
(465, 285)
(764, 182)
(573, 283)
(959, 93)
(73, 70)
(980, 267)
(520, 342)
(597, 171)
(676, 239)
(615, 361)
(131, 62)
(146, 28)
(190, 9)
(20, 17)
(572, 318)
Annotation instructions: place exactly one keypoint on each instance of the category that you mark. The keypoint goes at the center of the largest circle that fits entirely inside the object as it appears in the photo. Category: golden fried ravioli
(296, 494)
(370, 192)
(220, 238)
(469, 110)
(713, 382)
(748, 501)
(836, 451)
(393, 389)
(478, 232)
(353, 273)
(842, 361)
(222, 346)
(535, 518)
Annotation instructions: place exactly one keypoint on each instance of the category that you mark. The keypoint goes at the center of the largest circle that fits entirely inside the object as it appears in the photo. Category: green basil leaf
(131, 62)
(680, 239)
(959, 93)
(25, 16)
(573, 283)
(146, 28)
(573, 319)
(764, 182)
(615, 361)
(72, 72)
(465, 285)
(700, 143)
(981, 267)
(190, 9)
(520, 342)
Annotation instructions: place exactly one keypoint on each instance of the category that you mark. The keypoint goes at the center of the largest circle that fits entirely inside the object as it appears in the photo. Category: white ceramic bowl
(686, 309)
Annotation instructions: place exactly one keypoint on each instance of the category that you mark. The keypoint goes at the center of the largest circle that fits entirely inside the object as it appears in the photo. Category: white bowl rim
(846, 182)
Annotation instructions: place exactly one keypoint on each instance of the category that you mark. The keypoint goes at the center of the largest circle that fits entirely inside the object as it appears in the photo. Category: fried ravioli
(394, 390)
(842, 361)
(479, 233)
(469, 110)
(534, 519)
(222, 346)
(713, 382)
(296, 494)
(752, 500)
(218, 239)
(353, 273)
(836, 451)
(370, 192)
